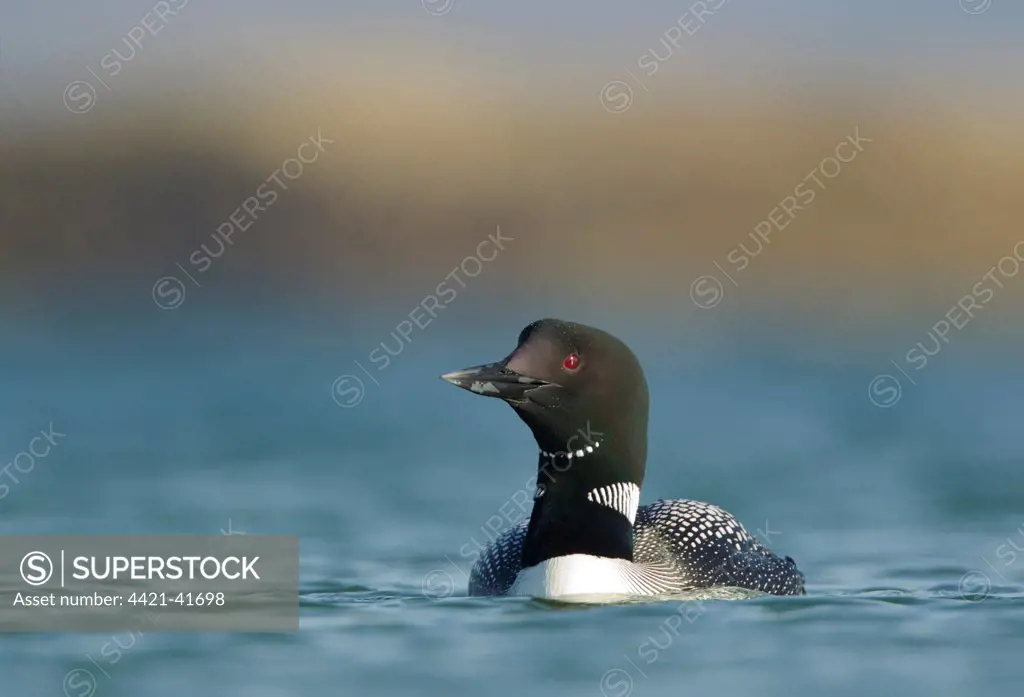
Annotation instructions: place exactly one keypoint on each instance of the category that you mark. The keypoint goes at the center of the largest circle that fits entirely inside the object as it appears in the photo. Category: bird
(582, 393)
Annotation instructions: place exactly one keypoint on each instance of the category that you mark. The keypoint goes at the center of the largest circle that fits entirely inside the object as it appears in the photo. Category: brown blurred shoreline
(641, 201)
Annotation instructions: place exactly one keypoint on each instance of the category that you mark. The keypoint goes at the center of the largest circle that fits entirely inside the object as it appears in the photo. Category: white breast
(578, 578)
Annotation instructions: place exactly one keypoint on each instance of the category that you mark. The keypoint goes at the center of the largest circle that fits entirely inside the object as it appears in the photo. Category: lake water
(906, 520)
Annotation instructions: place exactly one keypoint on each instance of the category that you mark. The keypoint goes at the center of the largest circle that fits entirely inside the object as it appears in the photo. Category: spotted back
(710, 548)
(499, 565)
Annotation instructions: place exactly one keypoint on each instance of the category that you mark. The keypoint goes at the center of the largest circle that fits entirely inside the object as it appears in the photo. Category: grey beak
(494, 380)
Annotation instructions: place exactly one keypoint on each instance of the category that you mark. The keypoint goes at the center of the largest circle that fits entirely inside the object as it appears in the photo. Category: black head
(583, 395)
(572, 384)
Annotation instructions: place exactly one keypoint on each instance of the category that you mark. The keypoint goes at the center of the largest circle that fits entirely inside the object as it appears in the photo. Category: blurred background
(446, 125)
(238, 242)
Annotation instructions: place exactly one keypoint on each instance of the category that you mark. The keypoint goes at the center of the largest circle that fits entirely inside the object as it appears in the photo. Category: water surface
(907, 521)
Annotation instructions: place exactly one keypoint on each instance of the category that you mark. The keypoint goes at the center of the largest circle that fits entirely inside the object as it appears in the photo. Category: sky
(47, 40)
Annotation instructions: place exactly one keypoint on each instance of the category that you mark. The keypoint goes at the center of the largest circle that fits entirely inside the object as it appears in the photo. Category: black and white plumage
(685, 545)
(583, 394)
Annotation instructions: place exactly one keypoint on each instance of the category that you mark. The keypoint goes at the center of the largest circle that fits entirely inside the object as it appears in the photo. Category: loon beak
(494, 380)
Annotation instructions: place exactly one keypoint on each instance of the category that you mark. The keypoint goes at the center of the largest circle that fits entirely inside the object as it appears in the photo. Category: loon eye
(571, 362)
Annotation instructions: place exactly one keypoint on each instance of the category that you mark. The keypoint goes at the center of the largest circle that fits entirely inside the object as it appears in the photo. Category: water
(905, 520)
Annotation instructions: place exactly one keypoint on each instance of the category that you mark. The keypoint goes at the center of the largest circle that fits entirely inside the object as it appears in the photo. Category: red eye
(571, 362)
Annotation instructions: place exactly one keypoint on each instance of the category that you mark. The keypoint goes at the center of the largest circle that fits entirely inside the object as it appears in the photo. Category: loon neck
(580, 507)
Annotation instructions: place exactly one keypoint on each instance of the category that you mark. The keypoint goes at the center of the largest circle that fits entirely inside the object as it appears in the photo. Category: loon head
(583, 394)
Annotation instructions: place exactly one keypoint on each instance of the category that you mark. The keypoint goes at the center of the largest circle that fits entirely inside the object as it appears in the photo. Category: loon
(582, 393)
